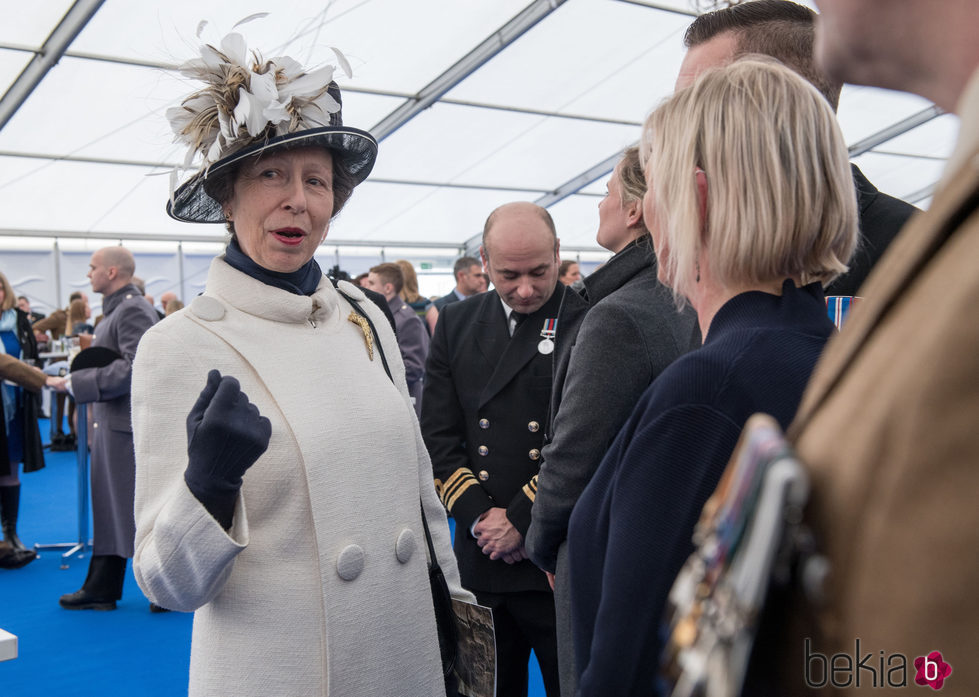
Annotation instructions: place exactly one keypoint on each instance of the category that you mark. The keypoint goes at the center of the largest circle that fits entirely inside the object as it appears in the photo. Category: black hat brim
(356, 149)
(94, 357)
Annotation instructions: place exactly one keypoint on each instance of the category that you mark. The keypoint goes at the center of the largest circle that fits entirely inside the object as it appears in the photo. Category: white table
(8, 646)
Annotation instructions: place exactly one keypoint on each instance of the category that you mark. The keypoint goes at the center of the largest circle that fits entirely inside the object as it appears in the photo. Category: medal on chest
(549, 331)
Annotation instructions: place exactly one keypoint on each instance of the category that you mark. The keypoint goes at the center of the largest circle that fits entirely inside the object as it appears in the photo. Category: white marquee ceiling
(475, 103)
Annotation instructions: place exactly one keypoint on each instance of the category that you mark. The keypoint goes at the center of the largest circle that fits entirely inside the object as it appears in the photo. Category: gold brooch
(361, 322)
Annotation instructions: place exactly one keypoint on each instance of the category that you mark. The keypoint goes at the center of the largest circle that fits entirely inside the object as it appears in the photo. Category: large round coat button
(484, 424)
(405, 546)
(533, 427)
(350, 562)
(207, 308)
(483, 450)
(534, 454)
(483, 475)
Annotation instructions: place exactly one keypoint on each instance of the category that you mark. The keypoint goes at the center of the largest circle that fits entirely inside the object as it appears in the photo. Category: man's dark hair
(778, 28)
(463, 264)
(77, 295)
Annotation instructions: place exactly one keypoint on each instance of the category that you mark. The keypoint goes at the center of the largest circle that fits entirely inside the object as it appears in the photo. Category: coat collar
(256, 298)
(111, 302)
(620, 269)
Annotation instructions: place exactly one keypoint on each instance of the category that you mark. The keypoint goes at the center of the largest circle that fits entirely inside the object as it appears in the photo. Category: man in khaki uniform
(889, 426)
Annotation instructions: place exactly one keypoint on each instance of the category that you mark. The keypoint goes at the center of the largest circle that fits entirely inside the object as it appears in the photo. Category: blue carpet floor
(129, 651)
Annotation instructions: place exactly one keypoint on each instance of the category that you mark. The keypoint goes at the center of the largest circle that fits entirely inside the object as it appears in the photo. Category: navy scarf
(302, 281)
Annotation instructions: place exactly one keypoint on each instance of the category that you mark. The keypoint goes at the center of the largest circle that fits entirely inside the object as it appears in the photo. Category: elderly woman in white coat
(281, 475)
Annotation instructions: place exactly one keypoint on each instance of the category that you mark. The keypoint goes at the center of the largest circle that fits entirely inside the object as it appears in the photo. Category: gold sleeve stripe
(456, 485)
(530, 489)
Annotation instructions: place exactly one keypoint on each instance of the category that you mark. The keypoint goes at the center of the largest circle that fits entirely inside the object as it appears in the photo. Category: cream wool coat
(320, 587)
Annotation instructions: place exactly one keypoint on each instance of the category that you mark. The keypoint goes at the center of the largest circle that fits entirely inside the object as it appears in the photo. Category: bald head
(520, 210)
(520, 253)
(110, 269)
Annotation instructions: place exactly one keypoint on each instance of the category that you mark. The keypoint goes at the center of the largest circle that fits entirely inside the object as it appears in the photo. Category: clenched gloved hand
(226, 434)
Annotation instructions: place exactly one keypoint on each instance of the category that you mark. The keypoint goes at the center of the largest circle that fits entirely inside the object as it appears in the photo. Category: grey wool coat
(127, 316)
(631, 332)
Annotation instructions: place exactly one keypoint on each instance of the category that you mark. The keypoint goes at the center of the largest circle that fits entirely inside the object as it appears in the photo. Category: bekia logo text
(841, 670)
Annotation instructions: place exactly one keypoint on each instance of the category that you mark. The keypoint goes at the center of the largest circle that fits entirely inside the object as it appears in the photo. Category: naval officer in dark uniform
(487, 388)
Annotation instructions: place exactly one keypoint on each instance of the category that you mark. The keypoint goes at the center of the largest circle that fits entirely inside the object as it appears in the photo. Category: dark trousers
(523, 621)
(106, 574)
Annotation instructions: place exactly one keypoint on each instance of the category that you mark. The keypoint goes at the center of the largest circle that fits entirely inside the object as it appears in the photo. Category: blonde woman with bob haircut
(751, 208)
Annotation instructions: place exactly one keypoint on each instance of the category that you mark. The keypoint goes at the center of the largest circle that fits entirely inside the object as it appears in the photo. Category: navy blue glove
(226, 434)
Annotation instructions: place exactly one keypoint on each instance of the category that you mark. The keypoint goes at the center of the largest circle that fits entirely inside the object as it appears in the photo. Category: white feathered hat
(249, 106)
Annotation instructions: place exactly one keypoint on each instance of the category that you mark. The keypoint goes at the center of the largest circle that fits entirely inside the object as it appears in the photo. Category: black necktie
(518, 318)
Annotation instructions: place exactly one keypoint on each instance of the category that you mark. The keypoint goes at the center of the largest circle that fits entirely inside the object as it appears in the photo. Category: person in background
(422, 306)
(55, 323)
(126, 317)
(484, 282)
(165, 299)
(569, 272)
(54, 326)
(409, 329)
(360, 280)
(77, 320)
(173, 305)
(751, 207)
(887, 427)
(24, 303)
(467, 272)
(295, 591)
(20, 437)
(785, 30)
(631, 333)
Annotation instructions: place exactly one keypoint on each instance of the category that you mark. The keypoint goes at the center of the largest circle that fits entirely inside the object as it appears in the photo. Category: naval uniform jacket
(484, 411)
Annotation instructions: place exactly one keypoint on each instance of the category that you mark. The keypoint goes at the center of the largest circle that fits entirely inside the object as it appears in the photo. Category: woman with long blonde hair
(422, 306)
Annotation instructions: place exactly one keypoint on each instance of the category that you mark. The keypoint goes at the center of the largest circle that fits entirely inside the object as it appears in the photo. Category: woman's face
(570, 276)
(281, 207)
(614, 232)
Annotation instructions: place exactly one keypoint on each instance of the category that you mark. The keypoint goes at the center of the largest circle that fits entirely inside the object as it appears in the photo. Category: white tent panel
(934, 139)
(897, 175)
(103, 199)
(391, 212)
(11, 65)
(95, 109)
(866, 110)
(576, 220)
(563, 97)
(590, 58)
(547, 150)
(30, 26)
(392, 45)
(489, 147)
